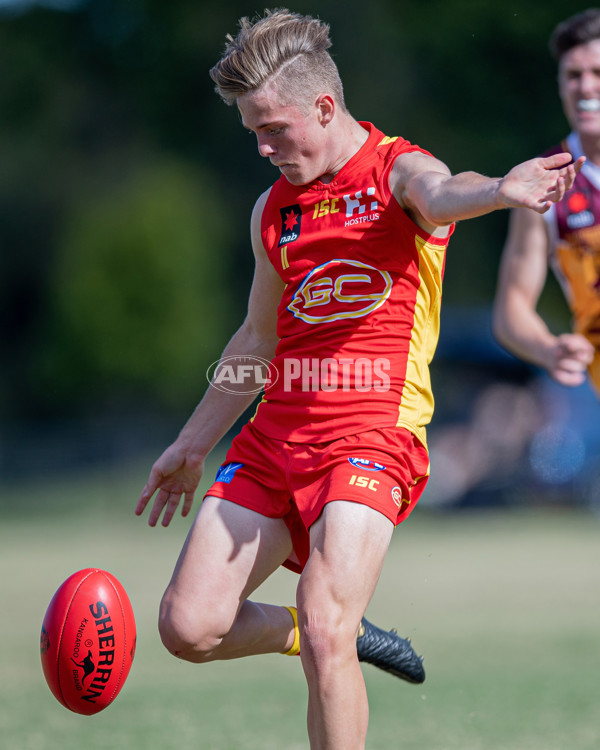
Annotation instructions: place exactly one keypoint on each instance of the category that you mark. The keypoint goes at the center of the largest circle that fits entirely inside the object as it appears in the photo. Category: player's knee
(186, 642)
(325, 641)
(187, 635)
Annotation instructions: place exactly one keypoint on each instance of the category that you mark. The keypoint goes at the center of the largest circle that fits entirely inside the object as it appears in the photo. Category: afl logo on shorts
(340, 289)
(366, 464)
(291, 224)
(226, 472)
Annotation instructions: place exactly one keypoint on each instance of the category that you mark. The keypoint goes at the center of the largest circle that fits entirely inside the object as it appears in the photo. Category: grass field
(505, 608)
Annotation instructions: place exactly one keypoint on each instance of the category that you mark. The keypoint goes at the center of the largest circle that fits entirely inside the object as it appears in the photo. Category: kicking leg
(205, 614)
(348, 547)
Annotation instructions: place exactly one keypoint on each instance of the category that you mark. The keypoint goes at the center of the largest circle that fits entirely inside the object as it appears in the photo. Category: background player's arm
(517, 324)
(179, 469)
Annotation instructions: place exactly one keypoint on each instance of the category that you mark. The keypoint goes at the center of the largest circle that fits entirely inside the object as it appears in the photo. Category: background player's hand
(177, 472)
(538, 183)
(569, 359)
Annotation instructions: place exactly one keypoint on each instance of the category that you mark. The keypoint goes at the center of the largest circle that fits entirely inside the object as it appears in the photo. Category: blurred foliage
(142, 302)
(126, 186)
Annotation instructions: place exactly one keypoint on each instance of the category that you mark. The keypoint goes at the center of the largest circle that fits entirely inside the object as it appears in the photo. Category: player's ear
(326, 108)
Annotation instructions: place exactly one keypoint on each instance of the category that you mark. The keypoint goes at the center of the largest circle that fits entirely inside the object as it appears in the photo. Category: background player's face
(292, 138)
(579, 87)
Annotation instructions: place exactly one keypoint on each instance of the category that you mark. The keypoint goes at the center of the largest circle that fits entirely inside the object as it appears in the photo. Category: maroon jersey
(574, 230)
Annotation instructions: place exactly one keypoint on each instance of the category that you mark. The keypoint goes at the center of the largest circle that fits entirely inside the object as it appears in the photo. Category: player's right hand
(177, 472)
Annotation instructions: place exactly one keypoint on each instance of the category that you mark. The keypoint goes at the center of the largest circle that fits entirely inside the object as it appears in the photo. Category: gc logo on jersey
(340, 289)
(291, 224)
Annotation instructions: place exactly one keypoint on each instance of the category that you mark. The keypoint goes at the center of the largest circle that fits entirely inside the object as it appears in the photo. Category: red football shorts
(385, 469)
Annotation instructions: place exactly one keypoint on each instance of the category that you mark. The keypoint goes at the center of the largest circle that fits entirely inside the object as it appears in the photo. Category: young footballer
(349, 246)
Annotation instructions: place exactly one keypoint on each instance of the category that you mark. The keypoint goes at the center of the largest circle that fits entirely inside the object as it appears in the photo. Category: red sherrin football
(88, 641)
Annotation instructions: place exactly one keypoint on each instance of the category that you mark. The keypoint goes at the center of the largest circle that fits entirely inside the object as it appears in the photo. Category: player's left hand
(538, 183)
(569, 358)
(176, 473)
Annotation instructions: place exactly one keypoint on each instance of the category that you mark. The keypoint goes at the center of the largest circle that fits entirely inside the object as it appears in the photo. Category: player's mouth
(588, 105)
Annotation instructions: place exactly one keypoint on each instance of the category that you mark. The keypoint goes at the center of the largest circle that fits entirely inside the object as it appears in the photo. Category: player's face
(293, 139)
(579, 87)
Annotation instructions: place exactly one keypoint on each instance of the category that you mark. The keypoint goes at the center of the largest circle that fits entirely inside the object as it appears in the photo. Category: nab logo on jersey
(291, 224)
(579, 214)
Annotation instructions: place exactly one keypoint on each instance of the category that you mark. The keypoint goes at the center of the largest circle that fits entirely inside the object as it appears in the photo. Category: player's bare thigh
(230, 550)
(349, 542)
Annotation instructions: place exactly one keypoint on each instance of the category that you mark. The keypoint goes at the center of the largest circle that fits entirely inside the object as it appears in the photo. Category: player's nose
(589, 84)
(265, 148)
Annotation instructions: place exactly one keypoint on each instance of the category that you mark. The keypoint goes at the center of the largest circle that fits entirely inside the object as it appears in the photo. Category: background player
(567, 237)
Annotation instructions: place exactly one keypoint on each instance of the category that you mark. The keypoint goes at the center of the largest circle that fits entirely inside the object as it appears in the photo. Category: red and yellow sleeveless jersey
(358, 321)
(574, 255)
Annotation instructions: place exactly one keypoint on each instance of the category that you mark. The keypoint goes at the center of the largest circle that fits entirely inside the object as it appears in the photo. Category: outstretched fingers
(562, 177)
(568, 174)
(167, 501)
(556, 161)
(188, 501)
(557, 192)
(150, 488)
(175, 475)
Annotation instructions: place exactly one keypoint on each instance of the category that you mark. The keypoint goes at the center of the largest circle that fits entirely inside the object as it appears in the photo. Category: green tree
(139, 302)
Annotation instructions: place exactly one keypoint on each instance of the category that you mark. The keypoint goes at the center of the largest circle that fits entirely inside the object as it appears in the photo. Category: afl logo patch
(340, 289)
(226, 472)
(291, 224)
(366, 464)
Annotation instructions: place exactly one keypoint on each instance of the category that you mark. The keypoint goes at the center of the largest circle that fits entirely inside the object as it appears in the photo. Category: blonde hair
(287, 50)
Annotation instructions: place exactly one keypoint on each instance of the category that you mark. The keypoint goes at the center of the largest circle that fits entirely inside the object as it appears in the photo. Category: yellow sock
(295, 649)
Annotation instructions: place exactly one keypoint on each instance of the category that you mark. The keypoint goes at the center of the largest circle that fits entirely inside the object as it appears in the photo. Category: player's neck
(350, 138)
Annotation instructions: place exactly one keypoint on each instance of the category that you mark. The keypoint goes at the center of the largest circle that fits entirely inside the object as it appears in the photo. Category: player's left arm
(517, 324)
(426, 189)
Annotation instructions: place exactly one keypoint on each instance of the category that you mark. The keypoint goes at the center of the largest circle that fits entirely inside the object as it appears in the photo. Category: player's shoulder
(403, 153)
(262, 200)
(409, 164)
(393, 144)
(256, 221)
(259, 206)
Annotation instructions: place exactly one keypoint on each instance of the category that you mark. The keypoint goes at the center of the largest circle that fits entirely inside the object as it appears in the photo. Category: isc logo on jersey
(340, 289)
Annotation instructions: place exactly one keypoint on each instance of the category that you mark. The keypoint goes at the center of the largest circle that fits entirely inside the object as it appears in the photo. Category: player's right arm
(178, 470)
(517, 324)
